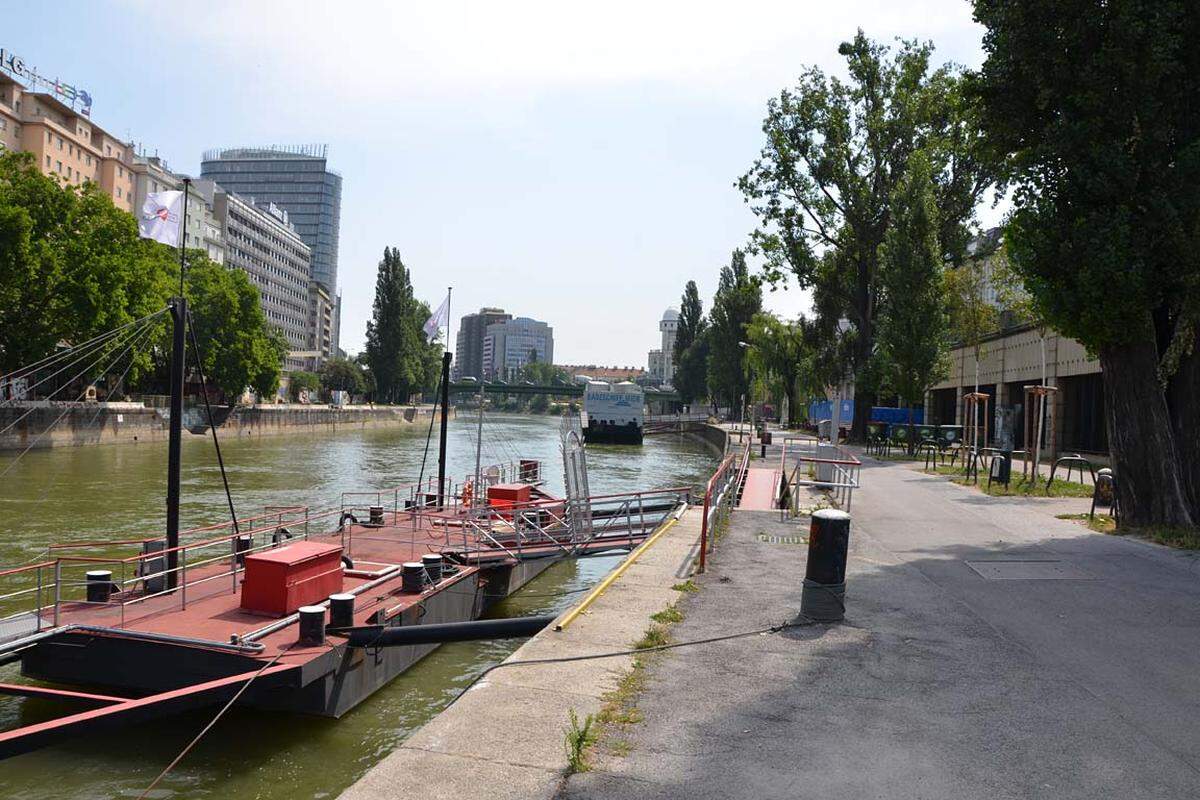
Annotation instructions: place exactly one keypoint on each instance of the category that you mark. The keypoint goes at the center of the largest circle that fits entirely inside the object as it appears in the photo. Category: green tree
(544, 373)
(691, 347)
(780, 354)
(240, 348)
(71, 266)
(738, 299)
(1094, 107)
(823, 185)
(343, 375)
(301, 381)
(913, 335)
(401, 360)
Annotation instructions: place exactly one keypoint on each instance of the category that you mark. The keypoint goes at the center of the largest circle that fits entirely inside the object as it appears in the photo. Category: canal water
(96, 493)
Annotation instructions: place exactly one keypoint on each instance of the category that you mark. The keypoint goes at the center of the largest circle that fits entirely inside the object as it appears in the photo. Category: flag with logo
(437, 319)
(160, 217)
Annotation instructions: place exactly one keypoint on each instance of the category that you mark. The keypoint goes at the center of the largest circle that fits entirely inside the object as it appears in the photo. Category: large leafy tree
(823, 185)
(402, 361)
(1094, 106)
(691, 347)
(343, 375)
(738, 299)
(913, 335)
(240, 348)
(781, 354)
(71, 265)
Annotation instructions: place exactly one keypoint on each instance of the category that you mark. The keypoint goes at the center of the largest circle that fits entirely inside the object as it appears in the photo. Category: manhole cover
(1028, 570)
(762, 537)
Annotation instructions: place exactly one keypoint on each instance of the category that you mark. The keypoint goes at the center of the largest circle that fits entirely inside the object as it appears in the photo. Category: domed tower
(669, 326)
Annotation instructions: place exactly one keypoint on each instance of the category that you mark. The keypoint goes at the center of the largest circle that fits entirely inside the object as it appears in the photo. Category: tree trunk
(1183, 403)
(1145, 459)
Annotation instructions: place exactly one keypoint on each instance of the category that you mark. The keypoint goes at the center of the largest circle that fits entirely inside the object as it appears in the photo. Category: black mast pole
(446, 356)
(175, 431)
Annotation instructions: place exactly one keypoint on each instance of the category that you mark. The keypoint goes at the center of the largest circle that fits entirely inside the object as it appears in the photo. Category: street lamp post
(750, 388)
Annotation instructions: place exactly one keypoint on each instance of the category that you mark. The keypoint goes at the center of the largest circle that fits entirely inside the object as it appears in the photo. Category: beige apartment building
(67, 145)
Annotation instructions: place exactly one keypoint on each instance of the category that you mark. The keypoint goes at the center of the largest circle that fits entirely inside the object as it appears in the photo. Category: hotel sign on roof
(73, 96)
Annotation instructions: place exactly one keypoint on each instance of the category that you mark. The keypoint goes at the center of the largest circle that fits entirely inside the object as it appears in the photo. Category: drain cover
(1029, 570)
(762, 537)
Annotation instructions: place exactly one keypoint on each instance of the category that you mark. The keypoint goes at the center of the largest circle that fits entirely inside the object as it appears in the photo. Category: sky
(569, 162)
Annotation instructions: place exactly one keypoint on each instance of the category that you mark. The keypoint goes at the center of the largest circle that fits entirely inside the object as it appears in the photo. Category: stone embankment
(505, 736)
(43, 425)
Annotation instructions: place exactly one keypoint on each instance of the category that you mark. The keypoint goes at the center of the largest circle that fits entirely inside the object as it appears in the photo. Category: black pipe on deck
(383, 636)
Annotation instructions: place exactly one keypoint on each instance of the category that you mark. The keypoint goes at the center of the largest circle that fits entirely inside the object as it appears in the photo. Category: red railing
(721, 490)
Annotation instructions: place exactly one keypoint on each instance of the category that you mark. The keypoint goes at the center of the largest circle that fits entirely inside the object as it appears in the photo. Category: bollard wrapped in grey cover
(823, 596)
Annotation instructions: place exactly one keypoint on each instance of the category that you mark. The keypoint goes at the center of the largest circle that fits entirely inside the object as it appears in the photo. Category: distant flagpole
(449, 289)
(187, 182)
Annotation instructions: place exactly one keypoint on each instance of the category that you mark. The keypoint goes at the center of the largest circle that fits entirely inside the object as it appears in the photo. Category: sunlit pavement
(989, 651)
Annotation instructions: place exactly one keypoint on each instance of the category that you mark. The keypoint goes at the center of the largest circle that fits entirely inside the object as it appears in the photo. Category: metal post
(57, 589)
(175, 432)
(441, 492)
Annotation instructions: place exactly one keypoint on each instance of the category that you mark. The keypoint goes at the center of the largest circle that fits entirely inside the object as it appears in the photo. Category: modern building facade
(468, 347)
(297, 180)
(203, 231)
(321, 311)
(508, 346)
(661, 360)
(261, 242)
(66, 143)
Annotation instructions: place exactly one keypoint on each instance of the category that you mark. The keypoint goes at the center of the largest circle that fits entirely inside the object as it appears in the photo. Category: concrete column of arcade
(504, 737)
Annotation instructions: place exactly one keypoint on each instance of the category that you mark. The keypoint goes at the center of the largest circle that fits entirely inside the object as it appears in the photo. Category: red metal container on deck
(507, 495)
(279, 581)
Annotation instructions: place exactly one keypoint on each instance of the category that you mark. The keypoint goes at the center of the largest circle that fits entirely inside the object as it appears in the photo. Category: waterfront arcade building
(468, 346)
(1011, 359)
(508, 345)
(66, 144)
(261, 241)
(299, 181)
(661, 361)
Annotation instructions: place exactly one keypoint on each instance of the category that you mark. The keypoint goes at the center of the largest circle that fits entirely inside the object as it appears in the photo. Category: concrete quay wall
(504, 737)
(45, 425)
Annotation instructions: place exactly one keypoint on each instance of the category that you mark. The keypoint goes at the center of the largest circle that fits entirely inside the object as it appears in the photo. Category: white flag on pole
(160, 217)
(437, 319)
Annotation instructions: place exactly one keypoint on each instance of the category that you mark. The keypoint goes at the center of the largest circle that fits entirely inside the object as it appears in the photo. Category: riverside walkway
(989, 651)
(761, 489)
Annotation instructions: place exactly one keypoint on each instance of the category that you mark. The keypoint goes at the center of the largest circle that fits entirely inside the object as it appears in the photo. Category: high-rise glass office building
(296, 179)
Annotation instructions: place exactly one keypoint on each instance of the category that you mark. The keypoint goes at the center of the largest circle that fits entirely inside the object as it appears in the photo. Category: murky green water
(117, 492)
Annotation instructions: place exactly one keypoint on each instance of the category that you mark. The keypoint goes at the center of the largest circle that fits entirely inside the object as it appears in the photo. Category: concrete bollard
(312, 625)
(823, 595)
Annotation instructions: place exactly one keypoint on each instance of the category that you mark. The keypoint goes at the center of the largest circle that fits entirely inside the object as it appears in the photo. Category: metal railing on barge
(49, 592)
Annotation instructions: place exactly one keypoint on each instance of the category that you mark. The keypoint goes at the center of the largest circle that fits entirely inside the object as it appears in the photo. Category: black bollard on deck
(823, 597)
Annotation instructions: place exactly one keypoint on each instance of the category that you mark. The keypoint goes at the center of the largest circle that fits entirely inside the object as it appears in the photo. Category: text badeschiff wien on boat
(612, 413)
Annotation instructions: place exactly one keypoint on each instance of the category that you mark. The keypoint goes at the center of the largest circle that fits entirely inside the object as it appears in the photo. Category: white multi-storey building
(510, 345)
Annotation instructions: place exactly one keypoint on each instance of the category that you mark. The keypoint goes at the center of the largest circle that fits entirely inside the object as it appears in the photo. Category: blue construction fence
(823, 409)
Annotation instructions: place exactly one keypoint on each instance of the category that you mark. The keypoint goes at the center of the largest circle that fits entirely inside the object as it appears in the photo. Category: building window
(48, 137)
(118, 192)
(47, 162)
(60, 142)
(58, 166)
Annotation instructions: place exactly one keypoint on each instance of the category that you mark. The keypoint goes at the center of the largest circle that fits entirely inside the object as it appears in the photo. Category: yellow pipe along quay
(602, 587)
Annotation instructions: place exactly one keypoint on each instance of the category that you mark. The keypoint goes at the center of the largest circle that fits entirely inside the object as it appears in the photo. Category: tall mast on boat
(175, 424)
(446, 356)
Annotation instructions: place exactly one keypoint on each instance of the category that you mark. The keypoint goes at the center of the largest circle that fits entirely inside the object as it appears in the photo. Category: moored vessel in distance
(612, 413)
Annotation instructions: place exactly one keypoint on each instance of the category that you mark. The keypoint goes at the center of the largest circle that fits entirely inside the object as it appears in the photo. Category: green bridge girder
(559, 390)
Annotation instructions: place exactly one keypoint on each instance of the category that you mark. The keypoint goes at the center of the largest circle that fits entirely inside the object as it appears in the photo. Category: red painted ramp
(759, 492)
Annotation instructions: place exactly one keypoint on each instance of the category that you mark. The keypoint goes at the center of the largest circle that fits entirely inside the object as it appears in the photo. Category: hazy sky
(570, 163)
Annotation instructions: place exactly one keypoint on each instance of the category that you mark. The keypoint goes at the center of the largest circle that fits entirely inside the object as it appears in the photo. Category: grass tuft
(580, 736)
(655, 636)
(1019, 486)
(688, 587)
(668, 616)
(1101, 523)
